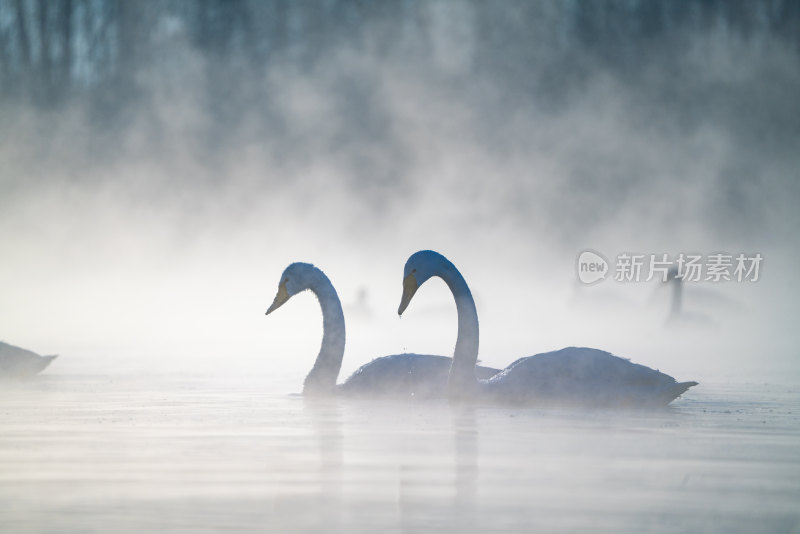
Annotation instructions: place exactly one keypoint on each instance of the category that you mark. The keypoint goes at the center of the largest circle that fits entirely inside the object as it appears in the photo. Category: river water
(178, 453)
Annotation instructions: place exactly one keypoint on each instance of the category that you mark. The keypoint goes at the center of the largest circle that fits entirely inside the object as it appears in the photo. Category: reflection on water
(201, 454)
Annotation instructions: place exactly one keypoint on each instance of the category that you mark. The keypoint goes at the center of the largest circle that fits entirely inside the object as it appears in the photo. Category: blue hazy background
(161, 162)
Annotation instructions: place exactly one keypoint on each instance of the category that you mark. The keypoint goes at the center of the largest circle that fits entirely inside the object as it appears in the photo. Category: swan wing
(585, 376)
(405, 375)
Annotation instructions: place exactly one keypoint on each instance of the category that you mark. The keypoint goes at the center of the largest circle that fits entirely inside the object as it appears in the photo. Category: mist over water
(162, 162)
(149, 203)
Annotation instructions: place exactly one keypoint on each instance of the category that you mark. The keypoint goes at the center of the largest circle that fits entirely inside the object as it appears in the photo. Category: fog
(145, 217)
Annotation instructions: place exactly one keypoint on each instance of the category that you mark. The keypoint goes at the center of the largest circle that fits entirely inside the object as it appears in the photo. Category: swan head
(295, 278)
(419, 268)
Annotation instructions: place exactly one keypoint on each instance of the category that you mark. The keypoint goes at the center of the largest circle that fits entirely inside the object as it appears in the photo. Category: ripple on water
(201, 454)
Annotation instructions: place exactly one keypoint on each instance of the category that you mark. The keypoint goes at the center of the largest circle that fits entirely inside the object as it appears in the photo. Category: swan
(681, 317)
(16, 362)
(398, 375)
(570, 376)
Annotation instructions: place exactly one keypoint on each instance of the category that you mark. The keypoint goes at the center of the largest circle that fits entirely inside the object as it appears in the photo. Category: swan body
(19, 363)
(585, 377)
(398, 375)
(571, 376)
(401, 375)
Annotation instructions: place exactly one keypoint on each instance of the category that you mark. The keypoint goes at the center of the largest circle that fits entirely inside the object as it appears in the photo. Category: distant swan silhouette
(398, 375)
(18, 363)
(571, 376)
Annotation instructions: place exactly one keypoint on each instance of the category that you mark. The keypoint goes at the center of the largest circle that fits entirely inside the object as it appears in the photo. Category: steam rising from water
(156, 243)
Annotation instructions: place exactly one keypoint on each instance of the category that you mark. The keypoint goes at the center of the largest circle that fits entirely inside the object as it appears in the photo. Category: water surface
(91, 453)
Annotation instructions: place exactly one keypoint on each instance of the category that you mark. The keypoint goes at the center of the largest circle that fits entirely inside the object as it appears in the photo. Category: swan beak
(280, 298)
(409, 288)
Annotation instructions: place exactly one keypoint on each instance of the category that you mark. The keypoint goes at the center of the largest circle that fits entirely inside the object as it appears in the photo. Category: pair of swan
(17, 363)
(578, 376)
(399, 375)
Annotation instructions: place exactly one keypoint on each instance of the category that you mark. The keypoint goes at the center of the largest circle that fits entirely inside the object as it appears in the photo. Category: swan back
(583, 376)
(419, 376)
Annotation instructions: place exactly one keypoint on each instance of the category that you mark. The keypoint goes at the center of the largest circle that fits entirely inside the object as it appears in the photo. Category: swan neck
(322, 377)
(465, 355)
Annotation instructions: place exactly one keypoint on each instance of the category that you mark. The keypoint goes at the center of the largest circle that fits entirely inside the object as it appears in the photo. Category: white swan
(398, 375)
(18, 363)
(574, 375)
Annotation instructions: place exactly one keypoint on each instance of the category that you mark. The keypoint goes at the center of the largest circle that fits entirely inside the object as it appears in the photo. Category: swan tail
(679, 389)
(39, 365)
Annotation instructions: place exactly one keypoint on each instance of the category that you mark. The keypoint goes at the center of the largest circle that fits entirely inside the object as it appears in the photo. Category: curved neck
(322, 377)
(465, 356)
